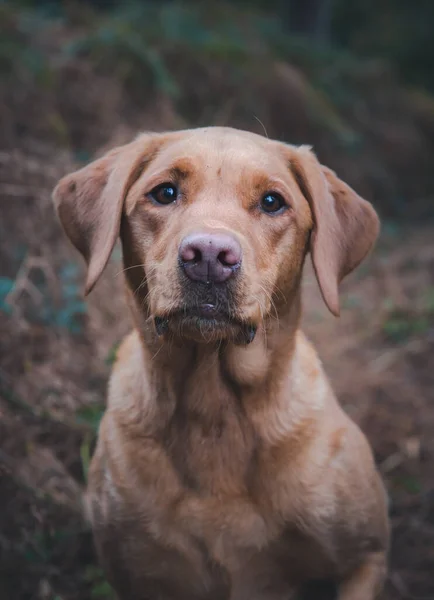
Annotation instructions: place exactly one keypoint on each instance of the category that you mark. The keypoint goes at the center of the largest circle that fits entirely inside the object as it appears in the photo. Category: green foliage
(45, 543)
(403, 324)
(6, 286)
(85, 455)
(73, 307)
(412, 485)
(63, 309)
(396, 30)
(141, 41)
(19, 58)
(137, 39)
(133, 36)
(400, 325)
(124, 43)
(90, 415)
(352, 301)
(111, 355)
(68, 312)
(100, 588)
(429, 300)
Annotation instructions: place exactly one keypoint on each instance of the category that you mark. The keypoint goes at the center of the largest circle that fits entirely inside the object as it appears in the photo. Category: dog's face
(215, 225)
(221, 229)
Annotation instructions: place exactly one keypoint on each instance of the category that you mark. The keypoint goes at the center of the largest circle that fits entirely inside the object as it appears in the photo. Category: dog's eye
(166, 193)
(272, 203)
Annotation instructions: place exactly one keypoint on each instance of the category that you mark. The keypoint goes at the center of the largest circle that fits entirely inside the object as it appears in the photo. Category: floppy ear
(345, 226)
(89, 203)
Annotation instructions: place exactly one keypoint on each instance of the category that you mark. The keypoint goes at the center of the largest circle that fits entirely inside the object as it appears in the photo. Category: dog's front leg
(366, 581)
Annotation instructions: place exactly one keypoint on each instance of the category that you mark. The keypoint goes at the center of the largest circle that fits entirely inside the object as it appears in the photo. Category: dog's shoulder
(126, 379)
(129, 354)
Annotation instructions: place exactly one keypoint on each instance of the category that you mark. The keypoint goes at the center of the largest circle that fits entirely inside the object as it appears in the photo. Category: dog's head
(215, 224)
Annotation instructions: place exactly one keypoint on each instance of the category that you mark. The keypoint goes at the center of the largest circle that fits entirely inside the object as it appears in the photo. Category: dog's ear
(345, 226)
(89, 203)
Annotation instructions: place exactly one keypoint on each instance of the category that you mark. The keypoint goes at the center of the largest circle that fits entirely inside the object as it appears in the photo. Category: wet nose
(209, 257)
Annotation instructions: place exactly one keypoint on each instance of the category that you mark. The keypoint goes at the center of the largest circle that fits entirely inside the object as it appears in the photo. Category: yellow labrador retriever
(225, 468)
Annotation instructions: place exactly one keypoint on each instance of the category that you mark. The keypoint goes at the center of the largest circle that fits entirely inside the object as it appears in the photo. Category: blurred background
(353, 79)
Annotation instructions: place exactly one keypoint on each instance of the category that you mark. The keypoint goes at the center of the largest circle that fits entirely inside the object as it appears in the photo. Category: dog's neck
(191, 372)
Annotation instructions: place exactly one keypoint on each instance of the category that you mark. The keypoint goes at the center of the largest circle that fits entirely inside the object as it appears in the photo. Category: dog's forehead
(223, 150)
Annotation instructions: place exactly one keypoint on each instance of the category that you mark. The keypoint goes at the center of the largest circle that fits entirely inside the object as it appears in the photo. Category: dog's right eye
(166, 193)
(272, 203)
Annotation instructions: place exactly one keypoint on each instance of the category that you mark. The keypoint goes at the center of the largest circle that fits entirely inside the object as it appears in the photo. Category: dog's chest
(226, 539)
(203, 500)
(210, 468)
(211, 453)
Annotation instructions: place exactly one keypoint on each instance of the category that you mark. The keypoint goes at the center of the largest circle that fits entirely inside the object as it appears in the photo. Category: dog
(225, 469)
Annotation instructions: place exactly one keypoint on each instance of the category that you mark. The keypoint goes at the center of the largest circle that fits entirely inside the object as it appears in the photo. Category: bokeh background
(355, 80)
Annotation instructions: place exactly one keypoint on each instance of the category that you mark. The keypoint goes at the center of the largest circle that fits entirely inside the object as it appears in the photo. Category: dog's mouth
(205, 323)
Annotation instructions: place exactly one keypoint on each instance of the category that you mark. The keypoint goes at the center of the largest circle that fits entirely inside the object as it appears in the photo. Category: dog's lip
(209, 315)
(207, 311)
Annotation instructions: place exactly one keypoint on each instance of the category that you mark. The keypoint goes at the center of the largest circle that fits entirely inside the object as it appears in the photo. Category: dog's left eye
(272, 203)
(166, 193)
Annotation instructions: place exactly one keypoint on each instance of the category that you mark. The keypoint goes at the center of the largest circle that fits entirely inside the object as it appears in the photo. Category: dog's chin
(204, 329)
(205, 325)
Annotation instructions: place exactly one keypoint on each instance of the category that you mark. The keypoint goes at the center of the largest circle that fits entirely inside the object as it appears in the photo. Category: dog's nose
(209, 257)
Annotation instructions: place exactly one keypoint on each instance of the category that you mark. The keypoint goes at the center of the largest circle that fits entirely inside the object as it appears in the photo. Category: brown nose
(209, 257)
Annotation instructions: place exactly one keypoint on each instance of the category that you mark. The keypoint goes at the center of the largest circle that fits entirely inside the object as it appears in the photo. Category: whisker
(261, 309)
(128, 268)
(272, 306)
(261, 123)
(157, 353)
(275, 288)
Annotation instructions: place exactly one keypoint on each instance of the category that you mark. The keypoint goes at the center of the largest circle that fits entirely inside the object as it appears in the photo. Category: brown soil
(56, 352)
